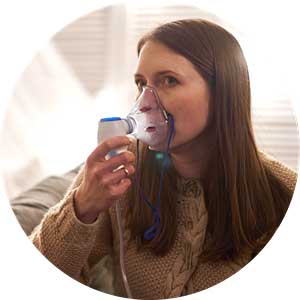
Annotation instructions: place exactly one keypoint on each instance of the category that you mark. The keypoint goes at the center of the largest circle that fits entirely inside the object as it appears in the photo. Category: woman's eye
(139, 83)
(169, 81)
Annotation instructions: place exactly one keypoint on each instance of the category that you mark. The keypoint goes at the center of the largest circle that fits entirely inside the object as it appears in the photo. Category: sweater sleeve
(72, 246)
(281, 171)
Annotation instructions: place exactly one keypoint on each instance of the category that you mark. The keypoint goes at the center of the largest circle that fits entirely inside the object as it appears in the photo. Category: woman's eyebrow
(159, 73)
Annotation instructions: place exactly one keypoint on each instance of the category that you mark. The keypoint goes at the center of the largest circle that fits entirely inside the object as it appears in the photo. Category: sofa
(31, 205)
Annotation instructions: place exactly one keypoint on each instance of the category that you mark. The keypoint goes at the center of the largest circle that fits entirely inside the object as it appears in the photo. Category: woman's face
(182, 90)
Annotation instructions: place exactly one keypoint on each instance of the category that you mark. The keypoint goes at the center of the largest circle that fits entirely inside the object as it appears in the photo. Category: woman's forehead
(157, 58)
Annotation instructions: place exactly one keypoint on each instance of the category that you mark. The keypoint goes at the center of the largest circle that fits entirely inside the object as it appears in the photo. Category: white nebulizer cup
(147, 122)
(109, 127)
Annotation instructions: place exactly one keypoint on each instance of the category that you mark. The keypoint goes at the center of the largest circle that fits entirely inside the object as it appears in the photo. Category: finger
(113, 143)
(100, 171)
(120, 160)
(116, 177)
(117, 190)
(113, 164)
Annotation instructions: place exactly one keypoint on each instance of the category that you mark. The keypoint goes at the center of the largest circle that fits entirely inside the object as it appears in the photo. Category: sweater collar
(189, 187)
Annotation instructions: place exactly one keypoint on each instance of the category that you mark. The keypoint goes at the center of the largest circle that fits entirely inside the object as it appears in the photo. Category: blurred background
(85, 72)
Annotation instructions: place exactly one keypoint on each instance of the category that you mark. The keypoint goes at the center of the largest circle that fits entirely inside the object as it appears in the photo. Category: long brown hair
(245, 200)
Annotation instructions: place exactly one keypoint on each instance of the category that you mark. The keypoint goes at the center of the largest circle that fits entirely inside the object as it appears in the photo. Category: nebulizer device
(150, 123)
(147, 121)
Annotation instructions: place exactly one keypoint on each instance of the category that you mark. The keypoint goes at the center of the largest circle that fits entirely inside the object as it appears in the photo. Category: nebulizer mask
(150, 123)
(147, 121)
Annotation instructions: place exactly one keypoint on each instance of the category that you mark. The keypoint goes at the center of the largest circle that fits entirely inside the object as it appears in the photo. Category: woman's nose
(148, 100)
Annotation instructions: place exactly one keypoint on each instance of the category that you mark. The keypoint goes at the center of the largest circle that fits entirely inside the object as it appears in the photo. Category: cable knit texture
(75, 247)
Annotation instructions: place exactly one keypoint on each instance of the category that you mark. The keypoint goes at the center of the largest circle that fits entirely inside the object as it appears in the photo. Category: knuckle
(125, 187)
(128, 157)
(113, 191)
(102, 180)
(106, 145)
(98, 175)
(93, 174)
(131, 169)
(89, 162)
(110, 144)
(125, 157)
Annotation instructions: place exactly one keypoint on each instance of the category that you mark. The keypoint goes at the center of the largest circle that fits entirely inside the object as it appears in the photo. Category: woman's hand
(101, 187)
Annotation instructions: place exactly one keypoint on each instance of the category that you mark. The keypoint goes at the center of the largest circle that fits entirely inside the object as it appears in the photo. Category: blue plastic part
(154, 229)
(110, 119)
(112, 153)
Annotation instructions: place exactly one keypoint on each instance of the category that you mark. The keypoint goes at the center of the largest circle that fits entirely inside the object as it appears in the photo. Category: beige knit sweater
(74, 247)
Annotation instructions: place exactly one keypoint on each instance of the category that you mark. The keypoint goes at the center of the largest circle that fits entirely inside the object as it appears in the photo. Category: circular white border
(26, 26)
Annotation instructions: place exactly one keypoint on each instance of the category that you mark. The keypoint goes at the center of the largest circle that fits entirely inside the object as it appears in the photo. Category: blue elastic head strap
(154, 229)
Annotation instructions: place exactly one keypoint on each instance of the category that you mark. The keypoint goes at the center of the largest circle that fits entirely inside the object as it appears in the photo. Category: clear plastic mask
(150, 120)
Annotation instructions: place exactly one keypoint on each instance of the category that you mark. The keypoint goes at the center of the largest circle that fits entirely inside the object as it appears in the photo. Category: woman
(221, 199)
